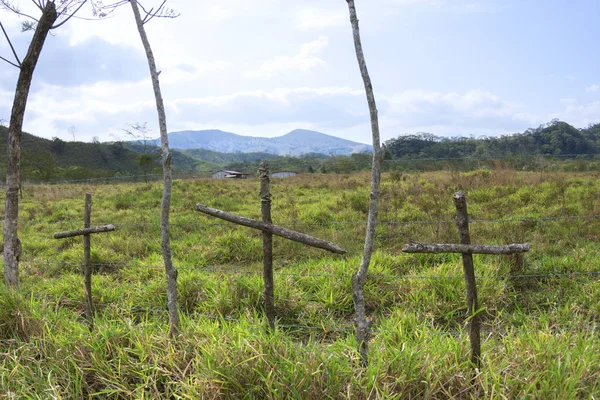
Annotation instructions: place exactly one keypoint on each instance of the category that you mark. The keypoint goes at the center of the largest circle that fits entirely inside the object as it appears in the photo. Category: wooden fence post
(467, 250)
(265, 206)
(87, 270)
(462, 221)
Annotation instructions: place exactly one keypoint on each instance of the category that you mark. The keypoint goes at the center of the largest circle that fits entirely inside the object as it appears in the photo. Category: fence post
(462, 221)
(265, 206)
(87, 273)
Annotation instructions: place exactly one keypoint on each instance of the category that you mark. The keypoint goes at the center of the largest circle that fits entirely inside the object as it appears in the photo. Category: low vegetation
(540, 326)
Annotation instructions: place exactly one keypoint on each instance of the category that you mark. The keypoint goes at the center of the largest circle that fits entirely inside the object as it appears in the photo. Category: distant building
(283, 174)
(228, 174)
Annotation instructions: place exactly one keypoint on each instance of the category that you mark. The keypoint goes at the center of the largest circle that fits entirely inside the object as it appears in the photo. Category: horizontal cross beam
(84, 231)
(465, 248)
(270, 228)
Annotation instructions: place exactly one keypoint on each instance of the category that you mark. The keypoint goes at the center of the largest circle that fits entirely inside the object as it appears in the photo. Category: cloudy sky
(265, 67)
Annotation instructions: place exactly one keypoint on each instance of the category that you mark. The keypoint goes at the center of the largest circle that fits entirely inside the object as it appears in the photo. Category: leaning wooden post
(265, 207)
(462, 221)
(87, 272)
(274, 229)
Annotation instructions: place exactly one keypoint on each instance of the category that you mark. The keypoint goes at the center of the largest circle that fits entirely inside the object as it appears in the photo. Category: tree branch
(10, 62)
(15, 10)
(149, 14)
(70, 16)
(11, 47)
(38, 4)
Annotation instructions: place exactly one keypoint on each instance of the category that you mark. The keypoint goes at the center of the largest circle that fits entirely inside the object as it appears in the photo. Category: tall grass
(540, 336)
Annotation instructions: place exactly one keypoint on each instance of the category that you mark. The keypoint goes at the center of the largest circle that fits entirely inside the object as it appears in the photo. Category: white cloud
(593, 88)
(580, 114)
(319, 18)
(304, 61)
(414, 2)
(104, 107)
(421, 106)
(453, 6)
(327, 106)
(568, 100)
(188, 72)
(475, 112)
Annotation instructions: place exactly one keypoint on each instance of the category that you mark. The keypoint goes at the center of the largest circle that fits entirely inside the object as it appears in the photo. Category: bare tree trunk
(170, 270)
(12, 244)
(363, 325)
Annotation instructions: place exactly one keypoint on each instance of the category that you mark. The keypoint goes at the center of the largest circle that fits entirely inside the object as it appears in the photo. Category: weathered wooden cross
(467, 249)
(86, 232)
(268, 229)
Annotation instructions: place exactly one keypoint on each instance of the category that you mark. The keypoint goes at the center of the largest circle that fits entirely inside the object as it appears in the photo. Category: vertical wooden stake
(265, 207)
(462, 221)
(87, 273)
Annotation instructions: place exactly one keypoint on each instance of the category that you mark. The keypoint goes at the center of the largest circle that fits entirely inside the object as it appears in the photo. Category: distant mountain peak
(294, 143)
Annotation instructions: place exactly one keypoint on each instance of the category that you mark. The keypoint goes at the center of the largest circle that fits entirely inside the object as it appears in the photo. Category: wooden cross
(467, 249)
(86, 232)
(268, 229)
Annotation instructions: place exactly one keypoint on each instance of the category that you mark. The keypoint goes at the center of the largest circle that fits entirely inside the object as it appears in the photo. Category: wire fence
(220, 269)
(332, 164)
(76, 222)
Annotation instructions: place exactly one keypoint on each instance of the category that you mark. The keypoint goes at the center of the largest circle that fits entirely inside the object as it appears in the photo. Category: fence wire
(206, 173)
(218, 269)
(74, 222)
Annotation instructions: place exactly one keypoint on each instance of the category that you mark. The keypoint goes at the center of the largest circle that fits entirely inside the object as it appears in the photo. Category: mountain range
(295, 143)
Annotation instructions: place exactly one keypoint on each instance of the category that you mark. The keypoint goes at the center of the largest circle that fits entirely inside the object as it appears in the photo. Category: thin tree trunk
(12, 244)
(363, 324)
(170, 270)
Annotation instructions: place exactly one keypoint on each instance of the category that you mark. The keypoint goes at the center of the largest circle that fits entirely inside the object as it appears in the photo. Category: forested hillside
(45, 160)
(556, 138)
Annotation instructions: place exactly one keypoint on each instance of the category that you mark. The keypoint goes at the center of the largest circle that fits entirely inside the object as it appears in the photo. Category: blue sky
(263, 68)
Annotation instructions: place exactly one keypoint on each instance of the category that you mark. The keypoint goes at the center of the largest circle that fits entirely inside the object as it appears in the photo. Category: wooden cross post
(268, 229)
(467, 249)
(86, 232)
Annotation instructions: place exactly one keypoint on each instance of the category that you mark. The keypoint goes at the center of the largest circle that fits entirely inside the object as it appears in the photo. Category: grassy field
(540, 328)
